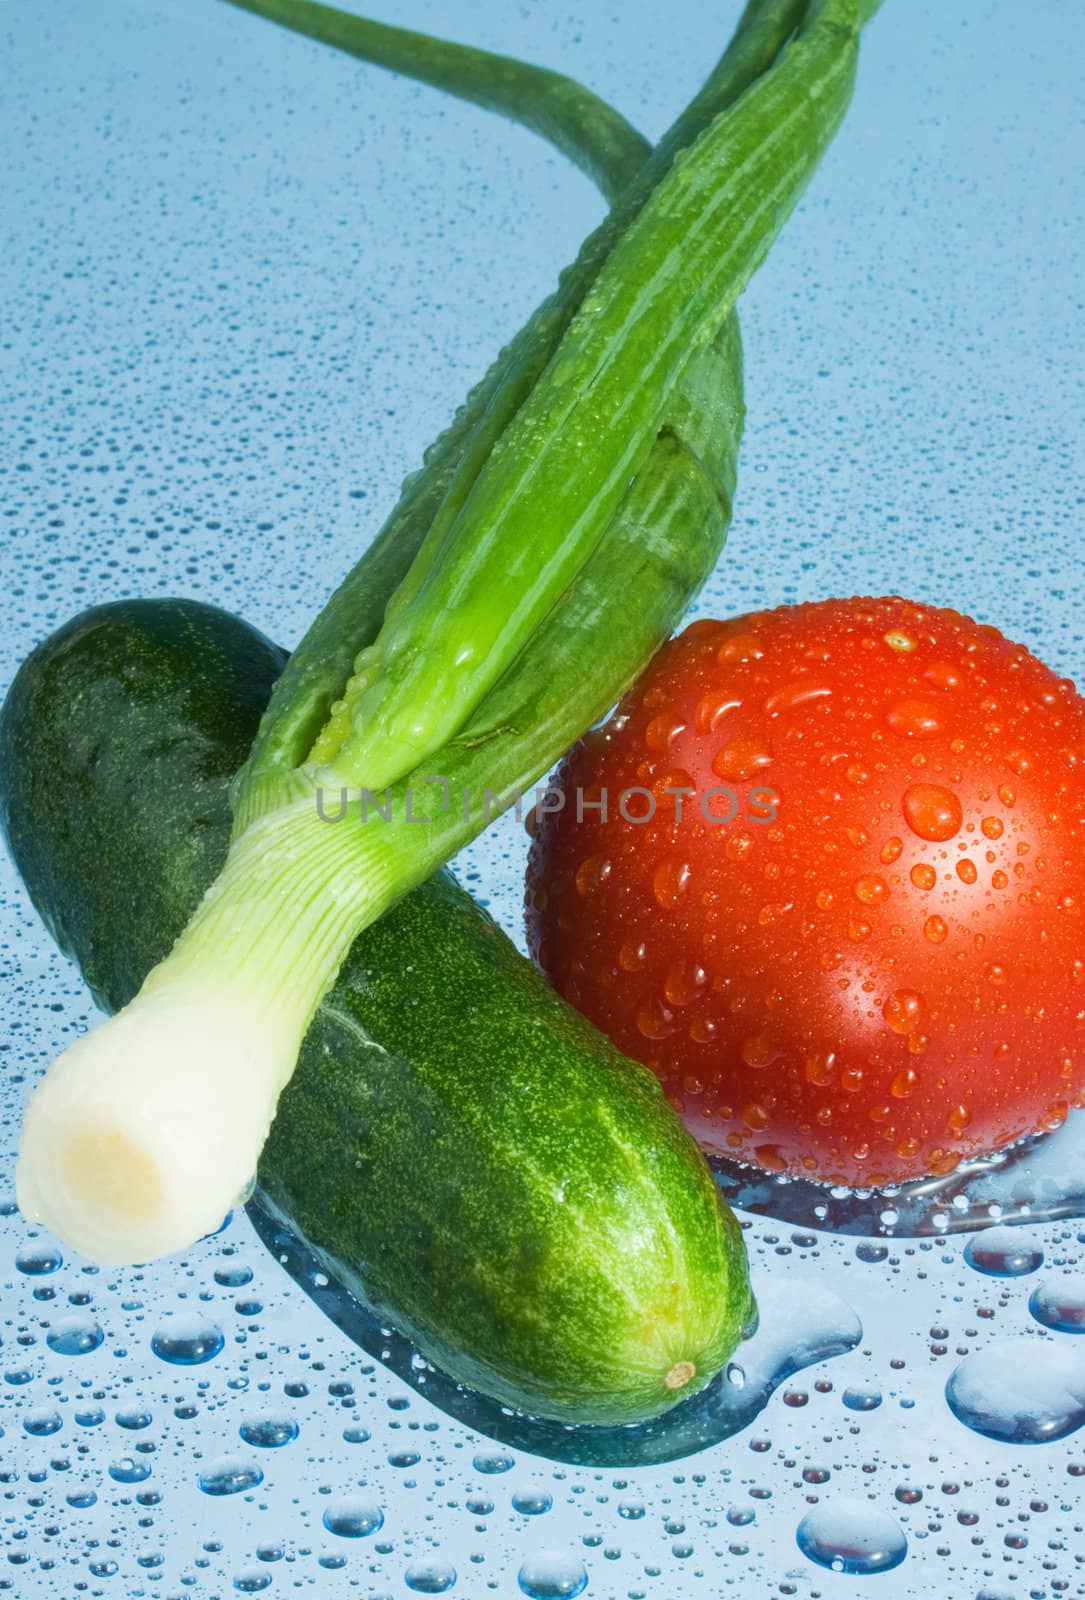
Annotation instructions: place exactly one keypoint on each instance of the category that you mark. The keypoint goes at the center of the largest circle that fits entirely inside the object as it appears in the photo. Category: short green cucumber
(458, 1146)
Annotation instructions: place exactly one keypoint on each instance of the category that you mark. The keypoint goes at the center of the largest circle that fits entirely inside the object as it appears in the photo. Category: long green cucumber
(459, 1147)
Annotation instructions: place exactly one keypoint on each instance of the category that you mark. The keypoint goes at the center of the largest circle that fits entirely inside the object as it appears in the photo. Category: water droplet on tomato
(891, 850)
(743, 759)
(740, 647)
(794, 695)
(931, 811)
(991, 828)
(904, 1084)
(821, 1068)
(966, 871)
(591, 874)
(631, 956)
(759, 1051)
(662, 731)
(871, 890)
(684, 982)
(915, 719)
(702, 1030)
(670, 881)
(896, 639)
(655, 1021)
(771, 1157)
(943, 676)
(923, 875)
(959, 1118)
(738, 847)
(712, 709)
(755, 1116)
(936, 930)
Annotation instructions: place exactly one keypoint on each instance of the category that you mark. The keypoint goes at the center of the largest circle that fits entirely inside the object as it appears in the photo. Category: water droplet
(532, 1501)
(903, 1010)
(943, 676)
(871, 1252)
(740, 760)
(353, 1518)
(1024, 1391)
(1003, 1252)
(923, 875)
(40, 1424)
(739, 648)
(227, 1476)
(793, 695)
(1059, 1303)
(269, 1433)
(936, 930)
(185, 1340)
(127, 1470)
(552, 1575)
(662, 731)
(252, 1581)
(74, 1336)
(862, 1397)
(38, 1259)
(871, 890)
(233, 1277)
(915, 719)
(852, 1536)
(897, 640)
(591, 875)
(493, 1461)
(134, 1420)
(670, 881)
(711, 711)
(430, 1576)
(631, 957)
(932, 812)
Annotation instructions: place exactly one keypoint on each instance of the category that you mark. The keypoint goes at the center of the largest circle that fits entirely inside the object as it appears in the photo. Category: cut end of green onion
(143, 1135)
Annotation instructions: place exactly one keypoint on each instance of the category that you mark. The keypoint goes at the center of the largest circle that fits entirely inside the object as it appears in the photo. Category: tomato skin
(877, 971)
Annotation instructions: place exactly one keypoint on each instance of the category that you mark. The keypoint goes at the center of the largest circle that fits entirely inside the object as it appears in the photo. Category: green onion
(591, 133)
(321, 665)
(143, 1133)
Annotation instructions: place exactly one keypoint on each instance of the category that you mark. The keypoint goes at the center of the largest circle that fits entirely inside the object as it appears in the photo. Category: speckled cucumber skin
(461, 1148)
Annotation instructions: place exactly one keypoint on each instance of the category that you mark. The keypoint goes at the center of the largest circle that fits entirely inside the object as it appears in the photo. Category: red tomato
(868, 964)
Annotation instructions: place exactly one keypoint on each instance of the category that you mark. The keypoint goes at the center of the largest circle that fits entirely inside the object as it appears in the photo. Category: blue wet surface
(244, 283)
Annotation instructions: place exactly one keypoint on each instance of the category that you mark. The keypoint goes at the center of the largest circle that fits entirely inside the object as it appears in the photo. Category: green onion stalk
(550, 542)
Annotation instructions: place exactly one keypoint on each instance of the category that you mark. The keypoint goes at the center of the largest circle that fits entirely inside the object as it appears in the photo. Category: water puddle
(801, 1324)
(1042, 1179)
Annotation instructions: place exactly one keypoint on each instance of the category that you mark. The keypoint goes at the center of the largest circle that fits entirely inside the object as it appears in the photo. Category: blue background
(244, 283)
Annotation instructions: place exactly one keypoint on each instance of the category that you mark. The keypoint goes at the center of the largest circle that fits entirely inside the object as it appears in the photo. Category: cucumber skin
(445, 1096)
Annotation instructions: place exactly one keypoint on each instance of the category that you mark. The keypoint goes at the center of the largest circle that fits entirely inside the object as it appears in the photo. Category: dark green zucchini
(462, 1149)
